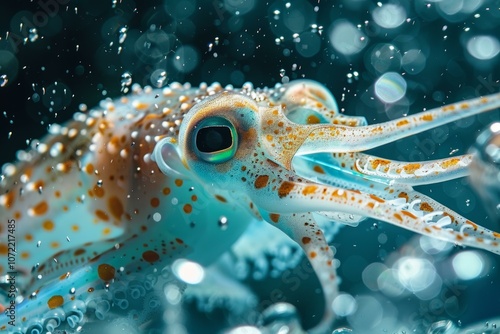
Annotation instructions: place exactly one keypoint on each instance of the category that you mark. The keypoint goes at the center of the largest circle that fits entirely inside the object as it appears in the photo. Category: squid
(93, 214)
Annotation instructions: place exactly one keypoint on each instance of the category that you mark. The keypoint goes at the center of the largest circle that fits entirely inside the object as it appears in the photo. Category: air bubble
(156, 216)
(126, 81)
(158, 78)
(122, 34)
(33, 35)
(222, 223)
(3, 80)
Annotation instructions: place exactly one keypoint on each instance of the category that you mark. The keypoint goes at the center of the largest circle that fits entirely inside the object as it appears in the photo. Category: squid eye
(215, 140)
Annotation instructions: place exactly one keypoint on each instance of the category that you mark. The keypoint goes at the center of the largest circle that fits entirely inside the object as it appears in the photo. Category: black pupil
(213, 138)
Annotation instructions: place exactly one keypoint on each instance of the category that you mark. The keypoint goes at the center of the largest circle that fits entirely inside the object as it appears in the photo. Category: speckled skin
(120, 191)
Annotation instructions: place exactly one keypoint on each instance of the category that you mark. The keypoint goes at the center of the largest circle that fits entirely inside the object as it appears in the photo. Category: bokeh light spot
(188, 271)
(468, 265)
(344, 305)
(389, 16)
(483, 47)
(186, 59)
(390, 87)
(309, 44)
(346, 38)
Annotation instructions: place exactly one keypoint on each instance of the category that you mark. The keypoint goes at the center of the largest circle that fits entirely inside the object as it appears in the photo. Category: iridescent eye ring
(215, 140)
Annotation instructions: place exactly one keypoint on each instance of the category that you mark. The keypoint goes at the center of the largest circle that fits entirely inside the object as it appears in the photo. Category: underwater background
(381, 60)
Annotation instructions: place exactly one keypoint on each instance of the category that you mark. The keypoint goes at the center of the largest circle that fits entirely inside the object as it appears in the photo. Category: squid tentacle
(414, 173)
(303, 230)
(434, 220)
(354, 139)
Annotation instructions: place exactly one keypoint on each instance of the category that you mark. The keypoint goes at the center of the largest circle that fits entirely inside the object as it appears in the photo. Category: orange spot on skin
(404, 195)
(402, 123)
(285, 189)
(459, 237)
(106, 231)
(89, 168)
(426, 207)
(409, 214)
(179, 241)
(102, 215)
(379, 162)
(115, 206)
(339, 193)
(188, 208)
(474, 226)
(312, 255)
(25, 255)
(411, 168)
(54, 244)
(48, 225)
(98, 191)
(9, 199)
(306, 240)
(370, 205)
(274, 217)
(55, 301)
(155, 202)
(427, 117)
(64, 276)
(40, 209)
(378, 199)
(28, 237)
(313, 119)
(57, 193)
(166, 191)
(150, 256)
(318, 169)
(178, 182)
(398, 217)
(75, 228)
(309, 190)
(220, 198)
(261, 181)
(106, 272)
(38, 184)
(496, 234)
(79, 251)
(450, 163)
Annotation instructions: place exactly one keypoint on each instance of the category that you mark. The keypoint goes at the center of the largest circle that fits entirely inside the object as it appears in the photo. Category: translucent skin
(121, 192)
